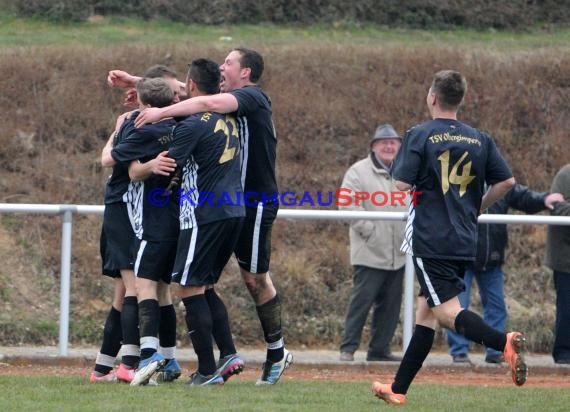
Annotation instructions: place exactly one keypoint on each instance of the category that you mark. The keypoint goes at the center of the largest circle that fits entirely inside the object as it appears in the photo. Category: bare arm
(219, 103)
(496, 191)
(122, 79)
(404, 187)
(160, 165)
(106, 158)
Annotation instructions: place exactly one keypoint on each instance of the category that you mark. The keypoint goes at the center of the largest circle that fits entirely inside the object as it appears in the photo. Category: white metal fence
(67, 212)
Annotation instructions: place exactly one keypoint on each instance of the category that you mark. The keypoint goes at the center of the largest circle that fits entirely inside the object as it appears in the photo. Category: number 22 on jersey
(229, 152)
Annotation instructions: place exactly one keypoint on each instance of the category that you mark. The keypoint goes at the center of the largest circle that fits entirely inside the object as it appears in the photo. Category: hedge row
(424, 14)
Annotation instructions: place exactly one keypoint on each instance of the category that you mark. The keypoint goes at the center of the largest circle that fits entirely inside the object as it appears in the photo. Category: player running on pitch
(448, 162)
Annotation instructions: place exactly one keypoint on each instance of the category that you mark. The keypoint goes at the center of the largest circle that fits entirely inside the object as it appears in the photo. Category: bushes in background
(425, 14)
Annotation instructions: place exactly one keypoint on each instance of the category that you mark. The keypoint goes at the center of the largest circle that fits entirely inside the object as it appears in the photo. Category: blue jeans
(490, 284)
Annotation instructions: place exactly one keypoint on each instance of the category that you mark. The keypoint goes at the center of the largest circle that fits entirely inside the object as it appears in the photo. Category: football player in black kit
(117, 241)
(447, 163)
(206, 149)
(120, 331)
(242, 96)
(154, 220)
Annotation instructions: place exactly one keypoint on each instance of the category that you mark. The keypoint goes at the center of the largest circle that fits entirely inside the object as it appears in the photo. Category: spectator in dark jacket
(487, 268)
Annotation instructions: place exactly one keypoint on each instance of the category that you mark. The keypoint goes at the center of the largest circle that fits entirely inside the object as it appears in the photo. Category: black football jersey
(153, 212)
(206, 147)
(448, 163)
(118, 181)
(258, 141)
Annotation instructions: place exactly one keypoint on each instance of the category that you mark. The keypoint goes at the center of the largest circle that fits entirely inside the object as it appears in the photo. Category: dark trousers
(561, 350)
(383, 290)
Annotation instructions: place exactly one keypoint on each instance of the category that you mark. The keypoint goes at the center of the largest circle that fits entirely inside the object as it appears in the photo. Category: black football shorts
(117, 240)
(440, 279)
(204, 250)
(253, 249)
(155, 260)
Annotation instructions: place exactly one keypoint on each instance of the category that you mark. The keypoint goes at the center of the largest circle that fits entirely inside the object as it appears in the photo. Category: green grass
(114, 30)
(21, 393)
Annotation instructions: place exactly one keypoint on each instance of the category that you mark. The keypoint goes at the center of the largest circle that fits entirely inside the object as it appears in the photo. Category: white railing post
(408, 325)
(65, 279)
(295, 214)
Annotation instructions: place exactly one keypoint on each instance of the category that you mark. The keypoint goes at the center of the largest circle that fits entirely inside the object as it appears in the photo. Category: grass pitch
(106, 31)
(52, 393)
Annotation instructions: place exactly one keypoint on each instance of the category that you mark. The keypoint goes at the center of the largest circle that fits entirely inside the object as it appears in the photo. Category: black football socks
(474, 328)
(270, 317)
(416, 354)
(221, 330)
(199, 323)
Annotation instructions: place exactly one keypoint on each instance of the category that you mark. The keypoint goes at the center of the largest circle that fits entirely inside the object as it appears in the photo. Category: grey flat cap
(384, 131)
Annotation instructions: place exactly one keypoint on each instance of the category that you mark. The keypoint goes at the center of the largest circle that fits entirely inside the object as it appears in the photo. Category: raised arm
(121, 79)
(219, 103)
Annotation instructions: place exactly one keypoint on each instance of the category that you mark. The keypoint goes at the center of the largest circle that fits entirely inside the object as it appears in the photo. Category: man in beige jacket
(374, 249)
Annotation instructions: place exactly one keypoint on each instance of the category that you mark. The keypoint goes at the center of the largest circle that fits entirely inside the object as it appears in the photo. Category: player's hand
(131, 98)
(553, 198)
(150, 115)
(121, 119)
(162, 164)
(120, 78)
(174, 182)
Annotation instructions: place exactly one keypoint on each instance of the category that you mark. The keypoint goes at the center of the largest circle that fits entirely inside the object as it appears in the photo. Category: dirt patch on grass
(538, 378)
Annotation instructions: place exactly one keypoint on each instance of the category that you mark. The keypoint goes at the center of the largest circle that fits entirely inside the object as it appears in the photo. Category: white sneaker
(273, 371)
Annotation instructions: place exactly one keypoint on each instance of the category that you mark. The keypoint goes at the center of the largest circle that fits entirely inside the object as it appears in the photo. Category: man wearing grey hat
(375, 253)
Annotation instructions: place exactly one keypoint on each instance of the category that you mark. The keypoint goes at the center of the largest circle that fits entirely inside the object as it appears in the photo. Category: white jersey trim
(133, 197)
(189, 256)
(244, 141)
(139, 257)
(407, 243)
(427, 280)
(189, 195)
(255, 241)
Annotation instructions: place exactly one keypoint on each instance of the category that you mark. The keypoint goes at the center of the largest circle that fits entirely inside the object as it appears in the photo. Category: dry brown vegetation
(58, 112)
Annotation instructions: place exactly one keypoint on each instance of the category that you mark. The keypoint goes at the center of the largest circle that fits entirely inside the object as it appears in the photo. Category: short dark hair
(206, 74)
(450, 87)
(159, 70)
(155, 92)
(252, 60)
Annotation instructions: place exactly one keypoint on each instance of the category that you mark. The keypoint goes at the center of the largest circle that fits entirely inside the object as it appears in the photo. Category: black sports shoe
(494, 359)
(461, 358)
(229, 365)
(384, 358)
(197, 379)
